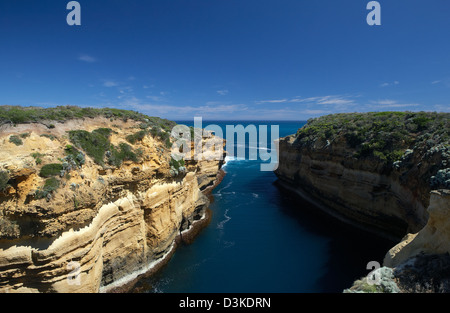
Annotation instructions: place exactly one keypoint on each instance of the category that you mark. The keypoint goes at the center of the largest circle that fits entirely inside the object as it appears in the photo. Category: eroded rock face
(434, 238)
(421, 261)
(106, 223)
(357, 191)
(374, 170)
(386, 172)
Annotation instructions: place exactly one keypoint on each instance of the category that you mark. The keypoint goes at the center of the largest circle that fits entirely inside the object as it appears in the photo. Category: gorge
(94, 194)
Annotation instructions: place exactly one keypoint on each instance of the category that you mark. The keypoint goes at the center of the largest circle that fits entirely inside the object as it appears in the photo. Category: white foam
(134, 275)
(230, 159)
(222, 223)
(223, 188)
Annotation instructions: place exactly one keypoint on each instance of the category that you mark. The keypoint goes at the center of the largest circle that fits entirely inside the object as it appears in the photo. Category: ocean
(262, 239)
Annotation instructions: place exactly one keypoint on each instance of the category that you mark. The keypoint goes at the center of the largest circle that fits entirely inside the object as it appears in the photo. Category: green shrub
(74, 155)
(16, 140)
(51, 185)
(76, 202)
(51, 137)
(71, 150)
(421, 121)
(136, 137)
(176, 164)
(105, 132)
(37, 157)
(124, 153)
(4, 178)
(95, 144)
(49, 170)
(164, 136)
(354, 138)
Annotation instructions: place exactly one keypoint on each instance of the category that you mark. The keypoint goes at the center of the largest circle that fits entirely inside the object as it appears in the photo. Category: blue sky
(227, 59)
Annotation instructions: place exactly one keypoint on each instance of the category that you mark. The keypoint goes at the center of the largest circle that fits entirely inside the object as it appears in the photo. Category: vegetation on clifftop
(97, 145)
(386, 136)
(20, 115)
(155, 126)
(94, 143)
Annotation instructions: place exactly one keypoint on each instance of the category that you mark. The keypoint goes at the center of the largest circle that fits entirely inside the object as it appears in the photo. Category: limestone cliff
(420, 262)
(434, 238)
(88, 203)
(386, 172)
(368, 169)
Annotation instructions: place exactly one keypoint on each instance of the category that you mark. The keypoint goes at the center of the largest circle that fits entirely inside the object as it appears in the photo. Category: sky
(227, 59)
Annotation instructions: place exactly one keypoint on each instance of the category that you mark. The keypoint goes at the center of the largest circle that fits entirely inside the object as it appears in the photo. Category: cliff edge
(386, 172)
(91, 198)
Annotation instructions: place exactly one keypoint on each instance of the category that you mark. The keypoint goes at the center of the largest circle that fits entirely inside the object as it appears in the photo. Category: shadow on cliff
(349, 248)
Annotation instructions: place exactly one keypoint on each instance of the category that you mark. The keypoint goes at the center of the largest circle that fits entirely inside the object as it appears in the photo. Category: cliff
(377, 171)
(89, 199)
(420, 262)
(374, 170)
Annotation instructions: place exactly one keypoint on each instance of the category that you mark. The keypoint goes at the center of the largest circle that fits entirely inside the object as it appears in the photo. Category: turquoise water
(262, 239)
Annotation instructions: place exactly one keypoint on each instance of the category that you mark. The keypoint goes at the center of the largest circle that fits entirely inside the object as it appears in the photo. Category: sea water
(262, 239)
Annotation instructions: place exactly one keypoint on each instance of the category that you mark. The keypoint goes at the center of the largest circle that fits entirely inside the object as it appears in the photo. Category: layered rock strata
(352, 190)
(420, 262)
(386, 172)
(377, 176)
(104, 224)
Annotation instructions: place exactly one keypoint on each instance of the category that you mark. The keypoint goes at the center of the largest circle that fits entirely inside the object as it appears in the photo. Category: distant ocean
(263, 240)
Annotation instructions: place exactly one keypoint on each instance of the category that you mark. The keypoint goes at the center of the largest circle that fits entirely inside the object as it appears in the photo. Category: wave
(222, 223)
(251, 147)
(219, 192)
(233, 159)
